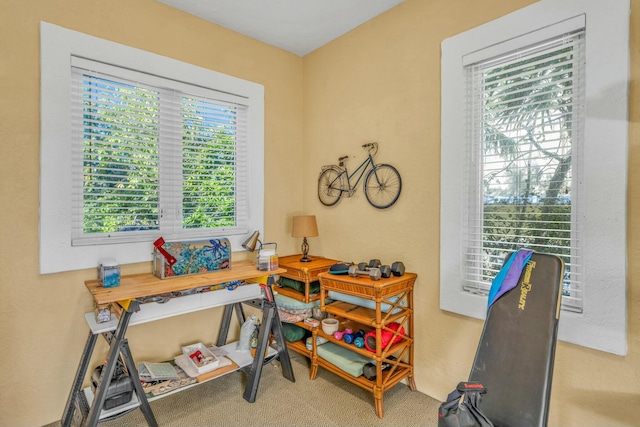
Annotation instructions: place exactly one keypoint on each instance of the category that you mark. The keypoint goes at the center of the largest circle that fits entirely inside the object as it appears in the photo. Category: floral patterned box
(184, 258)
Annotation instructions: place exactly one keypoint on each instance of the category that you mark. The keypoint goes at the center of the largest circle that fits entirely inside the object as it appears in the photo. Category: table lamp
(304, 226)
(252, 241)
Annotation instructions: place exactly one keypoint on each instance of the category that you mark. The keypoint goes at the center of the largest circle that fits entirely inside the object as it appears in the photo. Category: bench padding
(514, 360)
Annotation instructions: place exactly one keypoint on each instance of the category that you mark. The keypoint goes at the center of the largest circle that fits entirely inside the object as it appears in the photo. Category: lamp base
(305, 251)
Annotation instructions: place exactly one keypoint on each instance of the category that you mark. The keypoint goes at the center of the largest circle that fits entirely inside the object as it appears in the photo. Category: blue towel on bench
(509, 275)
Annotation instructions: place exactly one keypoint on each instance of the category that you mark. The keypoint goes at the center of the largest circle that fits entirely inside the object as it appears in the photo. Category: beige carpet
(326, 401)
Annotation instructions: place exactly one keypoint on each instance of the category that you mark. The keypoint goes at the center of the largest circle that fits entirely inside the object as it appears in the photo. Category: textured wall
(43, 327)
(382, 82)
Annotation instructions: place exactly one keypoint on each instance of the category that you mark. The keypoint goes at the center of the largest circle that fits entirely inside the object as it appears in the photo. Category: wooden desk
(144, 285)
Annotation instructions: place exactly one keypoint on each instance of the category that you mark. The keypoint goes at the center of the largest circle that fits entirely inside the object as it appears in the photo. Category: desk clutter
(135, 296)
(182, 258)
(103, 311)
(158, 378)
(192, 366)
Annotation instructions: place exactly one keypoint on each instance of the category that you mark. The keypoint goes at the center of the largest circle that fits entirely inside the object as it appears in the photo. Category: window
(525, 137)
(524, 116)
(136, 146)
(134, 141)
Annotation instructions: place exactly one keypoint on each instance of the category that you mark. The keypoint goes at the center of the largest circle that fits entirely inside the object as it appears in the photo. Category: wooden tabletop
(144, 285)
(293, 261)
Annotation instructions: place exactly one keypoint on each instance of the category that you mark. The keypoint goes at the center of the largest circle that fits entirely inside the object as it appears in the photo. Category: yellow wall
(43, 328)
(382, 82)
(379, 82)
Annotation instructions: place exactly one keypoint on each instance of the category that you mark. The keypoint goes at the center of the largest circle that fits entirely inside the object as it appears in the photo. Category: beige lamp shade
(304, 226)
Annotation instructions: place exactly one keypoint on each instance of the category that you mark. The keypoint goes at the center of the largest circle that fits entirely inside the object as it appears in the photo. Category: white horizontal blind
(212, 160)
(154, 157)
(523, 171)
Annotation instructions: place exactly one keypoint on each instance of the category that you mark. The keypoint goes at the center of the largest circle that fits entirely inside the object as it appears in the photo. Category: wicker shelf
(305, 272)
(394, 294)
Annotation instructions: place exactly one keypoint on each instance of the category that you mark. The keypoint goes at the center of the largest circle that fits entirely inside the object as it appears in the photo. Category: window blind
(154, 157)
(523, 174)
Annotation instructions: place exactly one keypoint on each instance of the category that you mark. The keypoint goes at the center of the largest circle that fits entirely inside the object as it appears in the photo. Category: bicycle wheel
(330, 184)
(382, 186)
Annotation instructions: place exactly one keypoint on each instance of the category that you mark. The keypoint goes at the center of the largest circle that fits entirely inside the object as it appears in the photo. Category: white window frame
(603, 323)
(58, 45)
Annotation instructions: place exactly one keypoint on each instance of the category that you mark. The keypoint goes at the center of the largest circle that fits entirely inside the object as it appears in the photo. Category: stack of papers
(157, 371)
(156, 388)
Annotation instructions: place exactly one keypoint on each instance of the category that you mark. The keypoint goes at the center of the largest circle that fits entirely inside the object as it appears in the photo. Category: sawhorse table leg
(76, 388)
(118, 346)
(270, 325)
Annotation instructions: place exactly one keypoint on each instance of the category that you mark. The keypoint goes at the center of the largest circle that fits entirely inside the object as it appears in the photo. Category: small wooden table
(305, 272)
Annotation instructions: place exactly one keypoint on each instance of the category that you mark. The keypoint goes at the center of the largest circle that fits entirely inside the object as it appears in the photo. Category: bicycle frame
(364, 166)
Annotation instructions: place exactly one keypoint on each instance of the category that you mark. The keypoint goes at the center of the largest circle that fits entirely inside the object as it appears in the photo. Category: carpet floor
(326, 401)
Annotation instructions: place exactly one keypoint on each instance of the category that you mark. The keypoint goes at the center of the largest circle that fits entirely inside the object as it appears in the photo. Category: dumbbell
(385, 271)
(373, 273)
(370, 372)
(374, 263)
(397, 269)
(351, 338)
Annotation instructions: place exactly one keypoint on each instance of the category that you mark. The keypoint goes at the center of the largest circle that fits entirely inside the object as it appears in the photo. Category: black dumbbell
(385, 271)
(373, 273)
(370, 372)
(397, 268)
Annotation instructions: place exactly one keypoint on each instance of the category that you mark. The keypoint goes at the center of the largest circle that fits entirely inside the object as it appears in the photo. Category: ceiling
(297, 26)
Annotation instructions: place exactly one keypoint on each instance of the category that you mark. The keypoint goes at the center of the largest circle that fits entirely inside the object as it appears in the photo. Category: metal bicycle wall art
(382, 183)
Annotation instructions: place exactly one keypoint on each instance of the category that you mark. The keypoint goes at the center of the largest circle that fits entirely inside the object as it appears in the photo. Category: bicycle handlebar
(371, 146)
